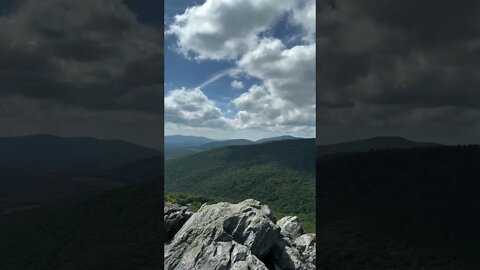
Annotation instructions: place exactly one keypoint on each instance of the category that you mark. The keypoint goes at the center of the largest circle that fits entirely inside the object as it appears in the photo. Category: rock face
(290, 227)
(290, 255)
(239, 236)
(174, 216)
(307, 246)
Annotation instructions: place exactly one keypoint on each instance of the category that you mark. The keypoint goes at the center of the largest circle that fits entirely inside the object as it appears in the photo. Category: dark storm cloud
(81, 68)
(90, 54)
(396, 67)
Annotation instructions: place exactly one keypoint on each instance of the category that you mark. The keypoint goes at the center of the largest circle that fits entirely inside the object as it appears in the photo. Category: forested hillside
(118, 229)
(280, 174)
(400, 209)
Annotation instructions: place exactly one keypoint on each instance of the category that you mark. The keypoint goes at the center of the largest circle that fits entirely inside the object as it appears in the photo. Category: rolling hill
(76, 217)
(416, 208)
(181, 141)
(48, 153)
(42, 169)
(137, 171)
(177, 146)
(278, 138)
(374, 143)
(280, 174)
(218, 144)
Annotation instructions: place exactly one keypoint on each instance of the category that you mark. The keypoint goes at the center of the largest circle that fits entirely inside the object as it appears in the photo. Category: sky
(401, 68)
(240, 68)
(82, 68)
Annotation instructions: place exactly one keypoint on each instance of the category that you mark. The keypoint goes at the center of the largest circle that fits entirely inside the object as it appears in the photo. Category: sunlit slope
(280, 174)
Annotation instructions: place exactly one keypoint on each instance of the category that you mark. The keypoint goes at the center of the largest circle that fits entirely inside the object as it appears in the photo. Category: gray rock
(174, 216)
(223, 235)
(241, 258)
(235, 236)
(287, 257)
(306, 245)
(290, 227)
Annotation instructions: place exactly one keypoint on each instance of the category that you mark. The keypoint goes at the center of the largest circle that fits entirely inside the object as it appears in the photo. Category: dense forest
(413, 208)
(117, 229)
(280, 174)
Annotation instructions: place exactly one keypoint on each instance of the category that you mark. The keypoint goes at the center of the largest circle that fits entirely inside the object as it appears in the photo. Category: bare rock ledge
(236, 236)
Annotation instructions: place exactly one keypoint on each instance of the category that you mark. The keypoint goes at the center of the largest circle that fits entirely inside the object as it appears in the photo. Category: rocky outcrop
(290, 227)
(306, 245)
(174, 216)
(239, 236)
(289, 255)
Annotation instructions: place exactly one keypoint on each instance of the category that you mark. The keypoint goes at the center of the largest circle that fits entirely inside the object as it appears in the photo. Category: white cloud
(256, 108)
(287, 95)
(259, 107)
(284, 100)
(225, 29)
(237, 84)
(192, 108)
(304, 14)
(287, 73)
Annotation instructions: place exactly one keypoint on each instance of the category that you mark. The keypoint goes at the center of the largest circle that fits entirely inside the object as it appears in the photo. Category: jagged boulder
(287, 257)
(306, 245)
(174, 216)
(295, 250)
(290, 227)
(233, 236)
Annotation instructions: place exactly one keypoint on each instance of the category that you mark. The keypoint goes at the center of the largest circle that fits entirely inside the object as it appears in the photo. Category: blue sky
(211, 62)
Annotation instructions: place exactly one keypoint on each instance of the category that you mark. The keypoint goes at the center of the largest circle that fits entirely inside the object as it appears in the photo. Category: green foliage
(280, 174)
(192, 201)
(169, 199)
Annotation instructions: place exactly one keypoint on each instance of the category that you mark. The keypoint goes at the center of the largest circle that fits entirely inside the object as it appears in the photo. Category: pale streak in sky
(217, 76)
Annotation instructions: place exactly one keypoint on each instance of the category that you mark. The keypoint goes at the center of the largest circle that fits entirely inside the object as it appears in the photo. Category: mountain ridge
(281, 173)
(372, 143)
(71, 154)
(178, 149)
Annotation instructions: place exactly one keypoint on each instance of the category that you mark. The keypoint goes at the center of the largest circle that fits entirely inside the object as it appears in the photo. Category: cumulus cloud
(289, 73)
(259, 107)
(237, 84)
(193, 108)
(304, 14)
(225, 29)
(236, 31)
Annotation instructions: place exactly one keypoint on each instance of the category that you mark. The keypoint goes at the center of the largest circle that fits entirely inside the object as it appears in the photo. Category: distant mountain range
(179, 145)
(48, 153)
(405, 205)
(79, 203)
(375, 143)
(181, 141)
(42, 169)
